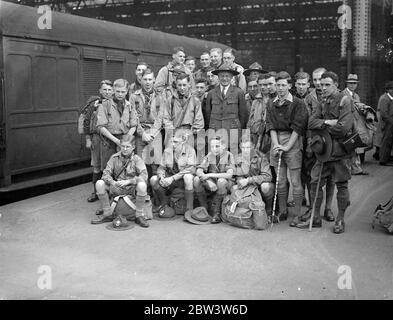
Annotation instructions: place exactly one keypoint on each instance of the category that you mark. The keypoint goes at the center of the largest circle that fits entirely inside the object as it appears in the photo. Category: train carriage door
(42, 102)
(4, 176)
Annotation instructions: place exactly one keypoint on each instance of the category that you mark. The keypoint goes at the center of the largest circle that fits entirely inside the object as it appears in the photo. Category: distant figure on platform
(385, 107)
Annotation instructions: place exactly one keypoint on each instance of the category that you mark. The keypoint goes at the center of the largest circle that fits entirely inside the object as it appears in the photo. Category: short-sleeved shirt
(291, 116)
(135, 168)
(117, 121)
(256, 167)
(217, 164)
(177, 164)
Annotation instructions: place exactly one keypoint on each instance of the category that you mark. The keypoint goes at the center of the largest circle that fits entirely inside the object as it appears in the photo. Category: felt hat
(321, 144)
(198, 216)
(254, 67)
(225, 68)
(120, 223)
(352, 78)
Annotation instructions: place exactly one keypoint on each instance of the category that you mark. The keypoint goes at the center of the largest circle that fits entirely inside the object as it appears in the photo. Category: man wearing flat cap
(335, 116)
(226, 105)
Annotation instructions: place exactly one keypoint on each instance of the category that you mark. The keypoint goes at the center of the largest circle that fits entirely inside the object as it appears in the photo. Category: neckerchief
(148, 97)
(120, 105)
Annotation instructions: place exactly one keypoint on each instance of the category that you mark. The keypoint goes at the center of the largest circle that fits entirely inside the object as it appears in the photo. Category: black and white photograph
(216, 152)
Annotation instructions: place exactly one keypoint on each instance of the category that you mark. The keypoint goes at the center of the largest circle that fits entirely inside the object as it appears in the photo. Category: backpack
(245, 208)
(383, 214)
(362, 130)
(178, 202)
(84, 114)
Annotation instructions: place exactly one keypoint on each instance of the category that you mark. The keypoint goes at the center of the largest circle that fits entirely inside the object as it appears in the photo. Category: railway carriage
(47, 74)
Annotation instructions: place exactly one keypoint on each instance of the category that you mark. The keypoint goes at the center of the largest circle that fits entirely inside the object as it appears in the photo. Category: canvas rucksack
(383, 215)
(124, 206)
(362, 130)
(245, 208)
(86, 113)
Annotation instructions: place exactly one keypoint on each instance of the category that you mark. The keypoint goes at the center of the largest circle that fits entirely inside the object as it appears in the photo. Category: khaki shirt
(177, 165)
(256, 168)
(148, 112)
(135, 168)
(220, 164)
(109, 117)
(179, 113)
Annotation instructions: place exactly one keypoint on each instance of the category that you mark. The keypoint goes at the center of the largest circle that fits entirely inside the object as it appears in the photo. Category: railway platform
(177, 260)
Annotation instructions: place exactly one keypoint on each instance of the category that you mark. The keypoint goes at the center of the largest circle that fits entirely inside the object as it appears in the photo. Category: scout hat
(197, 216)
(321, 144)
(225, 68)
(120, 223)
(352, 78)
(254, 67)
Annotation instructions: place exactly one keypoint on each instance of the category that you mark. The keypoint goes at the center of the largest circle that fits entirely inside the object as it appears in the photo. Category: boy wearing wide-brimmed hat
(254, 71)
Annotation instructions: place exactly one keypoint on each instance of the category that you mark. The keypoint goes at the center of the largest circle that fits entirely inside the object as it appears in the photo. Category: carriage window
(92, 76)
(44, 83)
(68, 83)
(114, 70)
(18, 80)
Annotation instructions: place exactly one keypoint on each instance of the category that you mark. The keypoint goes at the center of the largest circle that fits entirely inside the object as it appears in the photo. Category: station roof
(22, 21)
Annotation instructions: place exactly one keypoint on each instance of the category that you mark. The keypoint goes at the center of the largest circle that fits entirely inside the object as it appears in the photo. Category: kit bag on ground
(123, 205)
(178, 202)
(383, 216)
(245, 208)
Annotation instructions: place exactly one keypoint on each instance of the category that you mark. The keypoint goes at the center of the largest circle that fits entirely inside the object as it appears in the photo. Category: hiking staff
(315, 198)
(276, 188)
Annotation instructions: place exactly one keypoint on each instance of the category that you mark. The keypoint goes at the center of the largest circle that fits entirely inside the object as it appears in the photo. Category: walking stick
(315, 199)
(276, 188)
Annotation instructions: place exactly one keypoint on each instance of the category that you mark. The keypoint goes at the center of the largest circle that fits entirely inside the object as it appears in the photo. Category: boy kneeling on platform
(214, 175)
(252, 168)
(125, 174)
(176, 171)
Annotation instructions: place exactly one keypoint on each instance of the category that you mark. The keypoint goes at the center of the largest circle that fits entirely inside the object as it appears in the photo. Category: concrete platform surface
(49, 250)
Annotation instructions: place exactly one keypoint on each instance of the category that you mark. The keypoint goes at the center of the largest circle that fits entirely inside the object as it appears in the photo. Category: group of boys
(288, 136)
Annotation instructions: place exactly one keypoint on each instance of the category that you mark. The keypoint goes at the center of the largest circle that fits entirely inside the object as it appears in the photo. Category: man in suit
(385, 107)
(226, 106)
(352, 83)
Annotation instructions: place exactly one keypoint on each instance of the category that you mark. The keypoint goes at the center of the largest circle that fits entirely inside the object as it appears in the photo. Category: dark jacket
(337, 106)
(229, 112)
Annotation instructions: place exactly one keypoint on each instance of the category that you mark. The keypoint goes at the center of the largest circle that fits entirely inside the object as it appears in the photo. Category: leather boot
(139, 207)
(163, 199)
(106, 210)
(93, 197)
(216, 208)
